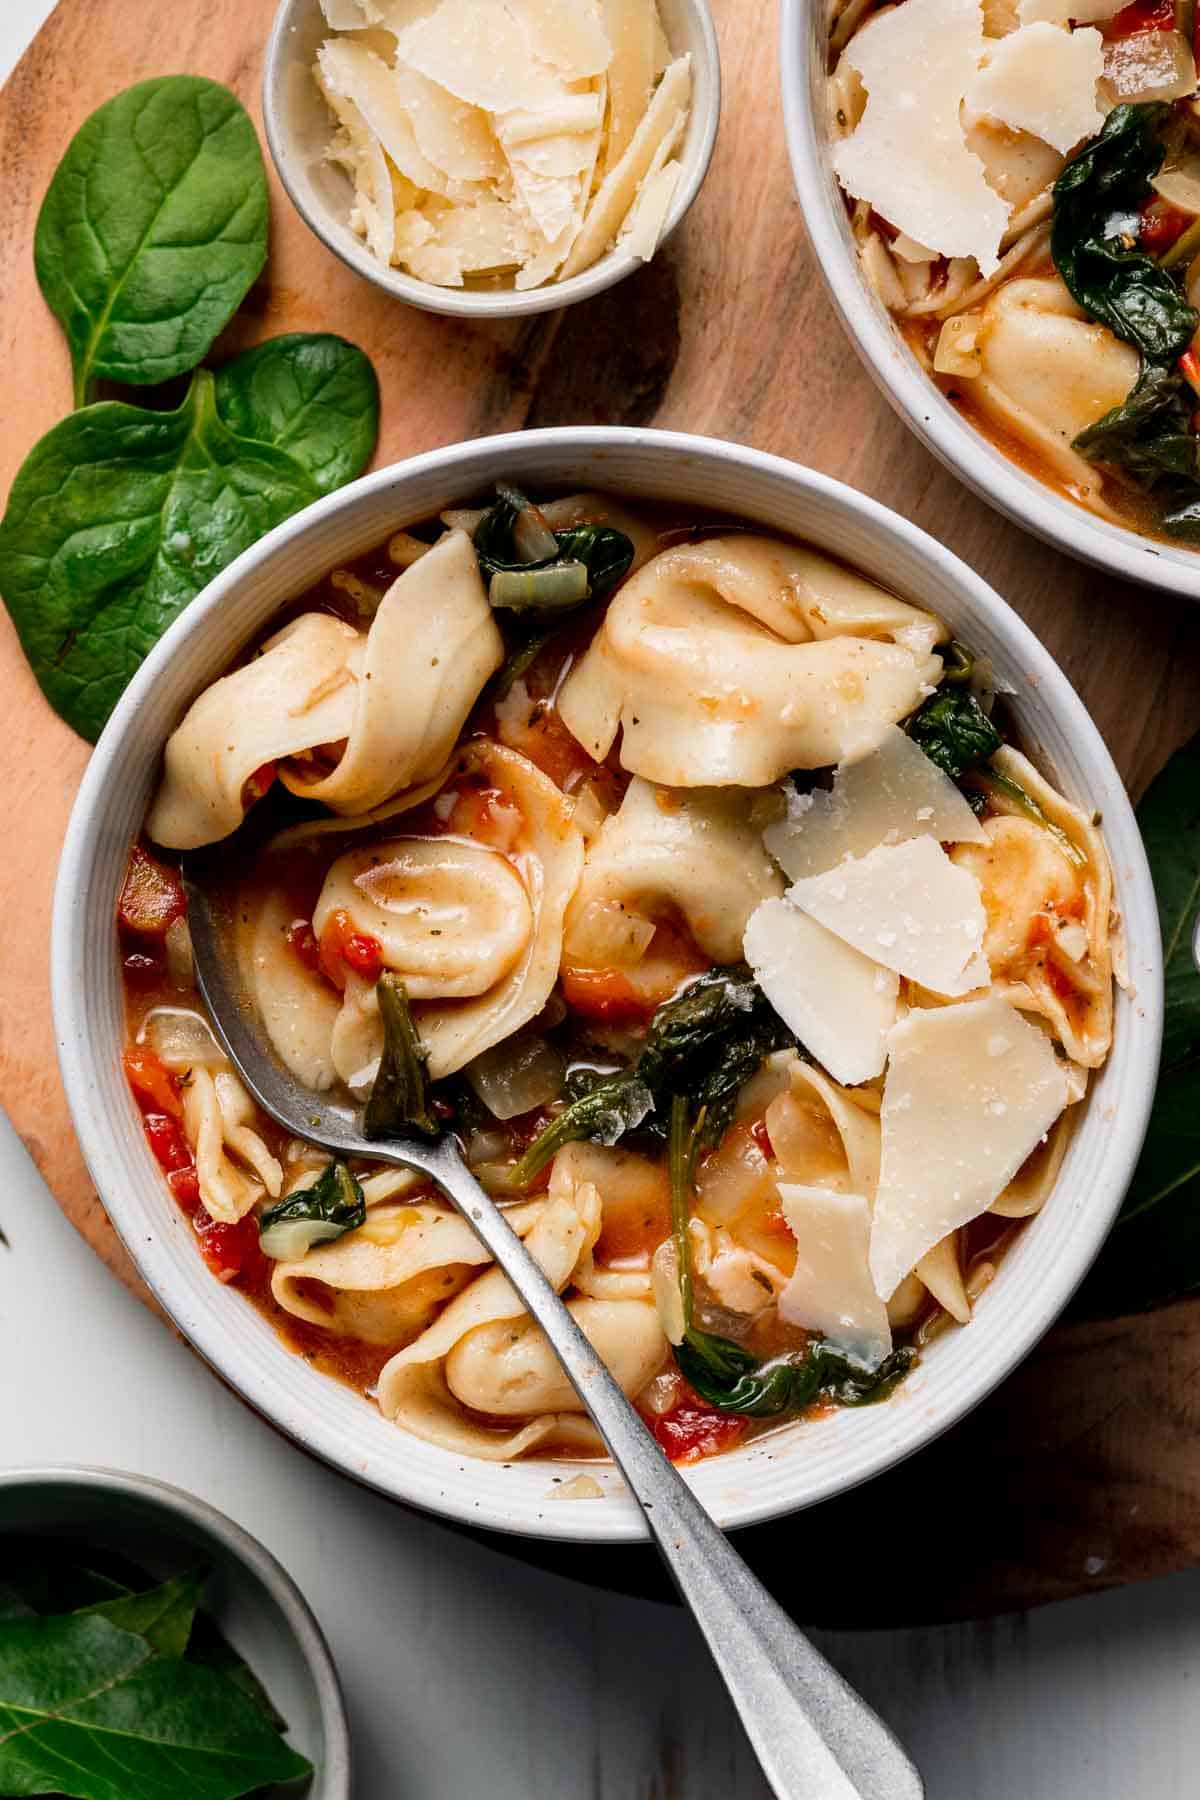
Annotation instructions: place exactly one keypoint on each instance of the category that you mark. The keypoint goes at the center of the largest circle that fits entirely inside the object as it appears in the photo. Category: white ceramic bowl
(299, 128)
(789, 1469)
(940, 426)
(252, 1597)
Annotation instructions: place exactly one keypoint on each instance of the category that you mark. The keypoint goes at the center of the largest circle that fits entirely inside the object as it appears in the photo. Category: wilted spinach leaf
(703, 1044)
(399, 1100)
(1153, 1254)
(309, 393)
(152, 229)
(119, 517)
(327, 1210)
(731, 1379)
(604, 552)
(953, 730)
(90, 1710)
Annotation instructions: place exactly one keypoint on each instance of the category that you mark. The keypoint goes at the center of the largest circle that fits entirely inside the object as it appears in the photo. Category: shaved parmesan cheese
(1064, 12)
(567, 34)
(831, 1291)
(647, 219)
(630, 26)
(894, 794)
(350, 15)
(485, 236)
(573, 113)
(620, 185)
(840, 1004)
(905, 906)
(373, 215)
(971, 1091)
(1042, 79)
(358, 75)
(479, 51)
(908, 155)
(455, 137)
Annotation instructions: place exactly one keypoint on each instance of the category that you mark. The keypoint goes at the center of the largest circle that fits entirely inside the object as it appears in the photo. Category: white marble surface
(472, 1677)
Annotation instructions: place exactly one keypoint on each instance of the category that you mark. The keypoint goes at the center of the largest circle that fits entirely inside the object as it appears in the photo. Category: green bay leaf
(162, 1615)
(152, 230)
(116, 520)
(309, 393)
(88, 1710)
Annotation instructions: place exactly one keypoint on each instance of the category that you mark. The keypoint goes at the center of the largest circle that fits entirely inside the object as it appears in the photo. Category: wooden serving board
(1084, 1470)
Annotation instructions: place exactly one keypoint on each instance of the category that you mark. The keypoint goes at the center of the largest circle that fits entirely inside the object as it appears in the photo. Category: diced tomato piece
(342, 948)
(152, 896)
(485, 815)
(1189, 368)
(774, 1222)
(1142, 15)
(690, 1432)
(1160, 226)
(231, 1251)
(605, 994)
(185, 1185)
(155, 1088)
(165, 1137)
(256, 785)
(302, 942)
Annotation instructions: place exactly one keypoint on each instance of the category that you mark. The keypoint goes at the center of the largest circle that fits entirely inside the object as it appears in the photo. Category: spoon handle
(814, 1736)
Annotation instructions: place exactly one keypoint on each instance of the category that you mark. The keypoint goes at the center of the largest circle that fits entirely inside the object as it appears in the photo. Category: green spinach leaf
(1096, 204)
(604, 553)
(731, 1379)
(399, 1101)
(953, 730)
(309, 393)
(89, 1710)
(118, 518)
(152, 230)
(703, 1044)
(331, 1207)
(1153, 1254)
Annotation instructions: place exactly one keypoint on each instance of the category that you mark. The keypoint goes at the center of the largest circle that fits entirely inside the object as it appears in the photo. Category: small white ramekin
(252, 1597)
(299, 128)
(966, 452)
(790, 1468)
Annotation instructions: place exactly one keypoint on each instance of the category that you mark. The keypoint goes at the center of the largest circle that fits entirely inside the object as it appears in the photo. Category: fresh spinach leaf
(152, 230)
(1153, 1253)
(705, 1043)
(162, 1615)
(331, 1207)
(89, 1710)
(399, 1101)
(731, 1379)
(116, 520)
(1093, 237)
(309, 393)
(953, 730)
(604, 553)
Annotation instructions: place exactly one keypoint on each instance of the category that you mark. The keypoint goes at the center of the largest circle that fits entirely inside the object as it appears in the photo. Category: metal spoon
(814, 1736)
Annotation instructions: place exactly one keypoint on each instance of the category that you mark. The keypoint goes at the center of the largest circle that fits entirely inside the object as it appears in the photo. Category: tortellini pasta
(386, 707)
(728, 662)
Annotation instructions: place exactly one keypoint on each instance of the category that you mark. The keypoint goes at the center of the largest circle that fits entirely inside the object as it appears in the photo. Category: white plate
(790, 1468)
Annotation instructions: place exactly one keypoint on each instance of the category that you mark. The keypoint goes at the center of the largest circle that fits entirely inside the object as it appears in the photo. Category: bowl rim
(958, 446)
(176, 1503)
(73, 966)
(502, 303)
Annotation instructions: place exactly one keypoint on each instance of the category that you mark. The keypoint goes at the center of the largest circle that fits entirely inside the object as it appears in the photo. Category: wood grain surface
(1083, 1471)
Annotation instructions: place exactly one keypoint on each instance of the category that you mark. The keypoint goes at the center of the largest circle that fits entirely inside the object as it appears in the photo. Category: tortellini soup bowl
(796, 1464)
(1049, 371)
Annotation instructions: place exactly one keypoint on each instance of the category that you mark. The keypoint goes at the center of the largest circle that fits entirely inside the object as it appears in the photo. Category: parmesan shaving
(905, 906)
(971, 1091)
(454, 137)
(350, 72)
(643, 228)
(567, 34)
(894, 794)
(1042, 79)
(1064, 12)
(630, 26)
(831, 1291)
(908, 155)
(620, 186)
(478, 51)
(839, 1003)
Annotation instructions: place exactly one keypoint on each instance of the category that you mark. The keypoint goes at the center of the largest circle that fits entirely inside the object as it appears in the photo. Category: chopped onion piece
(603, 936)
(178, 947)
(562, 584)
(1150, 65)
(957, 350)
(1180, 184)
(290, 1239)
(515, 1076)
(181, 1039)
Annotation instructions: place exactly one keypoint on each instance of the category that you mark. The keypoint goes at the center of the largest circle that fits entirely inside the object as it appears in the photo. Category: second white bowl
(787, 1469)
